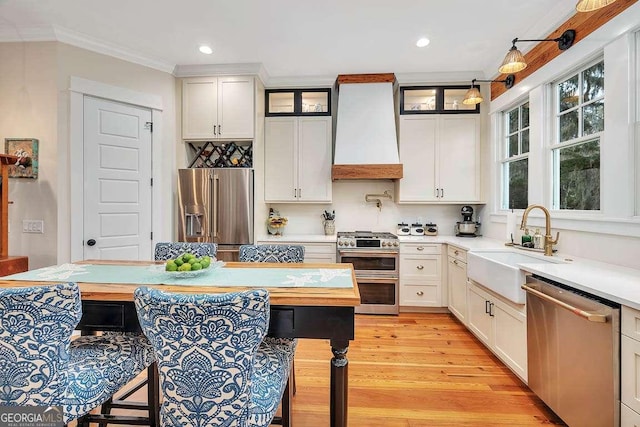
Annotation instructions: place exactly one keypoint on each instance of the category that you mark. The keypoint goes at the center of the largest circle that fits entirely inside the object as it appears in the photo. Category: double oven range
(375, 259)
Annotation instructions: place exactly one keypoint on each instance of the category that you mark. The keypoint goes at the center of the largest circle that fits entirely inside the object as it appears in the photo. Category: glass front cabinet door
(435, 100)
(298, 102)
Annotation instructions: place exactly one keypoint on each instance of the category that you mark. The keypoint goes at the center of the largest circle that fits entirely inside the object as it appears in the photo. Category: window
(515, 162)
(579, 102)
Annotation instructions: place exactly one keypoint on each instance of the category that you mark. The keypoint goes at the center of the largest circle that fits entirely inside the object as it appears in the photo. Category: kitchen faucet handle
(555, 242)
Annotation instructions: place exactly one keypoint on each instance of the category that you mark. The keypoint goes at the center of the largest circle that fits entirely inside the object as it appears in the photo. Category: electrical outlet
(33, 226)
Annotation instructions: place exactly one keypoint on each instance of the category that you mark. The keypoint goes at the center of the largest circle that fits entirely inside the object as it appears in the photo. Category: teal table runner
(155, 275)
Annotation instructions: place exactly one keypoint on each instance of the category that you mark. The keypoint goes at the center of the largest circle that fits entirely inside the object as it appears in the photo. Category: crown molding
(463, 77)
(203, 70)
(83, 41)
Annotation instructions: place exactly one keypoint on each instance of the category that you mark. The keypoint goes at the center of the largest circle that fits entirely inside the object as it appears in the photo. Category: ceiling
(294, 39)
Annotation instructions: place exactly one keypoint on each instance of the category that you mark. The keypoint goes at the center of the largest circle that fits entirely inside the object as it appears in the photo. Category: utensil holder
(329, 227)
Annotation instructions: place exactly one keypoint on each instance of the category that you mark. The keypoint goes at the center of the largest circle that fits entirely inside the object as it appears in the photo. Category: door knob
(91, 242)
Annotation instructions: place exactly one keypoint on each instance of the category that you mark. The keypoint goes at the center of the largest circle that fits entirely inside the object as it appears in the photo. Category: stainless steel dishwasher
(573, 351)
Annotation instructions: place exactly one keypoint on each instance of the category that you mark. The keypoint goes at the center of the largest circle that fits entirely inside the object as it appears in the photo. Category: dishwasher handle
(591, 317)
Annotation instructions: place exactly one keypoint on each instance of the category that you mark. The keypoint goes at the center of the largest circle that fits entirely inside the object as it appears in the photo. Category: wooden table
(300, 312)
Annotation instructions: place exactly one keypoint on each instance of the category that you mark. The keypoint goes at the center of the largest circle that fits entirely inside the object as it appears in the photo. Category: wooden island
(8, 264)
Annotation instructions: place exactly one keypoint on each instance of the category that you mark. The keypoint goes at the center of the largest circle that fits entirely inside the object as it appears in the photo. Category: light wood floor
(415, 370)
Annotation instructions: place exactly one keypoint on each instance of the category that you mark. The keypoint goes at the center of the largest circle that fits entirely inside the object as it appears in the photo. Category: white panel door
(117, 180)
(314, 159)
(418, 139)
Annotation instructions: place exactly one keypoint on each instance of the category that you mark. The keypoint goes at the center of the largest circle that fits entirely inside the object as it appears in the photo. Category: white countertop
(297, 238)
(609, 281)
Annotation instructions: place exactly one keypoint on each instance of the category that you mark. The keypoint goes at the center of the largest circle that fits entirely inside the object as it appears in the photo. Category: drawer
(420, 248)
(631, 322)
(457, 253)
(423, 295)
(427, 267)
(628, 417)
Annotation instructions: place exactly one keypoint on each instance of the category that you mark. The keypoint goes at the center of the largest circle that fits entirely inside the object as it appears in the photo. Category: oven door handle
(591, 317)
(369, 279)
(359, 252)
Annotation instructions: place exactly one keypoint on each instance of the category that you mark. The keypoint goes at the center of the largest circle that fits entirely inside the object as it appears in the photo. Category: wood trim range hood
(366, 144)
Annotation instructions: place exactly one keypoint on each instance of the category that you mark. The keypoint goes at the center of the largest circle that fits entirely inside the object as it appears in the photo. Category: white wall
(613, 234)
(28, 110)
(34, 82)
(353, 213)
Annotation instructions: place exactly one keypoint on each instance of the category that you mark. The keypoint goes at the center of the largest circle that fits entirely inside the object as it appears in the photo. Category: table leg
(339, 383)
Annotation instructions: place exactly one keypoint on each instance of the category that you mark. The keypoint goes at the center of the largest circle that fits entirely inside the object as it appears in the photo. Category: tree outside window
(576, 152)
(515, 162)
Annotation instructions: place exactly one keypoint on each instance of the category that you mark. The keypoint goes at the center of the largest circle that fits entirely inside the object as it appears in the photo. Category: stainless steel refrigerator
(216, 205)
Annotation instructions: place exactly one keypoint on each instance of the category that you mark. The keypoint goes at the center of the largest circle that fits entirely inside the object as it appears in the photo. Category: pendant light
(591, 5)
(473, 96)
(514, 60)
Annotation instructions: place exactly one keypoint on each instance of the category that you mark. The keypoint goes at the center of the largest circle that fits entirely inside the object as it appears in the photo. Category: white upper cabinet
(298, 159)
(218, 108)
(441, 158)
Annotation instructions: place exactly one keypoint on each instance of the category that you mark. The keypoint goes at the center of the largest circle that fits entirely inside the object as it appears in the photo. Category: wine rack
(210, 154)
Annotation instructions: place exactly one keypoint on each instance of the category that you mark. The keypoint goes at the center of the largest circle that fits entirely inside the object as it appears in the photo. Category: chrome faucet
(548, 241)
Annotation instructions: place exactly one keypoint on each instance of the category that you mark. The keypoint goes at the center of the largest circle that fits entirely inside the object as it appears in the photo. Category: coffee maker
(467, 227)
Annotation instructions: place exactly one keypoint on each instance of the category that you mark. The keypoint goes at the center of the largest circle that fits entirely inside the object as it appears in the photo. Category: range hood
(366, 145)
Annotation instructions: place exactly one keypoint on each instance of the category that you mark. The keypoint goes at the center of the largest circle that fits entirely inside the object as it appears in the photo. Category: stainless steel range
(375, 259)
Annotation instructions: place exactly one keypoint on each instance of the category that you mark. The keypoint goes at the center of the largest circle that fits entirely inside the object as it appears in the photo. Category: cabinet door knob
(420, 267)
(219, 129)
(91, 242)
(214, 129)
(420, 248)
(456, 252)
(455, 261)
(419, 293)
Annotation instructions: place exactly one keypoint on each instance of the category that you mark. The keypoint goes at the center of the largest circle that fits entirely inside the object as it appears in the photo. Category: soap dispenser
(537, 239)
(526, 238)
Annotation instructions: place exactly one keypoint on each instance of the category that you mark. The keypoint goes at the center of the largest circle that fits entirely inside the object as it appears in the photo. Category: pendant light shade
(513, 62)
(472, 97)
(591, 5)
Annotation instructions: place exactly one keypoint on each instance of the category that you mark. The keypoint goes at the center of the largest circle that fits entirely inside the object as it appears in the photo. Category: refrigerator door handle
(216, 188)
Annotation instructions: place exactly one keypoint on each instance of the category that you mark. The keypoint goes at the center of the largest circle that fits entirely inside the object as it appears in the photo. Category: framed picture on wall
(26, 149)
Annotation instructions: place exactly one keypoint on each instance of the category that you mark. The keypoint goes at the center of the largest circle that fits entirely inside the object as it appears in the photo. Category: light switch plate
(33, 226)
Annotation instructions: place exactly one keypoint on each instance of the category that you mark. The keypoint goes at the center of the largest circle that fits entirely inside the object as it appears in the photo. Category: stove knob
(352, 243)
(384, 244)
(339, 242)
(396, 244)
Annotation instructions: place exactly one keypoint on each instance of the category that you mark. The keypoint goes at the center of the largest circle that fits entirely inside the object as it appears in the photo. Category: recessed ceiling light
(205, 49)
(423, 42)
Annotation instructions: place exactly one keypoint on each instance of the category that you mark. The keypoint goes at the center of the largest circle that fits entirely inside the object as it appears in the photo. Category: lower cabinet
(628, 417)
(457, 282)
(324, 253)
(500, 325)
(630, 367)
(420, 275)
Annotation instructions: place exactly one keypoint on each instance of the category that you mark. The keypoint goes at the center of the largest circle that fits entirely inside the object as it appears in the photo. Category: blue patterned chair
(213, 369)
(163, 251)
(42, 366)
(280, 254)
(168, 250)
(271, 253)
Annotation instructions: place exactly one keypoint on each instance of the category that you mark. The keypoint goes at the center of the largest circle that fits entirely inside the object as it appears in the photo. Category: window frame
(555, 145)
(505, 159)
